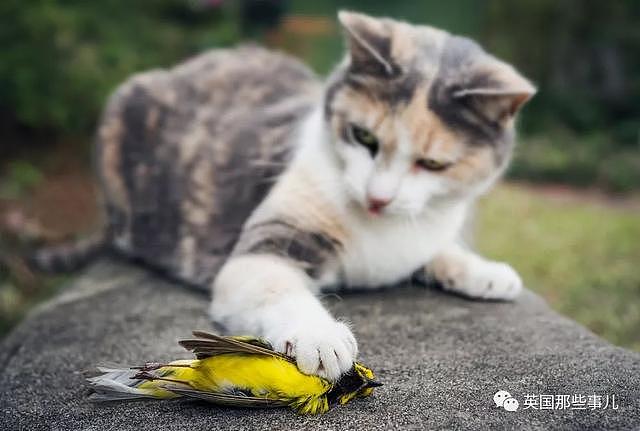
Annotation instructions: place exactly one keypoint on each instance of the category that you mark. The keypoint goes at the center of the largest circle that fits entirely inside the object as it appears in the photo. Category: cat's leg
(462, 271)
(269, 296)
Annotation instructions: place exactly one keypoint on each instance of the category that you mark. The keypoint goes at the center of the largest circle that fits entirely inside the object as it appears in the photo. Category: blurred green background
(570, 225)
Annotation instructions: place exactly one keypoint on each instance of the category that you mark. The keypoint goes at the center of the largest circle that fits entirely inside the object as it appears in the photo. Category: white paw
(487, 280)
(326, 348)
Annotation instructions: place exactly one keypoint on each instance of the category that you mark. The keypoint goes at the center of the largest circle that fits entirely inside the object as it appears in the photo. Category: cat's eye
(364, 138)
(432, 165)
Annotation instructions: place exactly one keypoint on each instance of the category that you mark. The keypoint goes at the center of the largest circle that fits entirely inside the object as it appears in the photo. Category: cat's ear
(498, 90)
(369, 42)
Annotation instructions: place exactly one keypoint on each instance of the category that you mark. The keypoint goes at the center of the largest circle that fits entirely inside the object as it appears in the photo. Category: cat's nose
(377, 204)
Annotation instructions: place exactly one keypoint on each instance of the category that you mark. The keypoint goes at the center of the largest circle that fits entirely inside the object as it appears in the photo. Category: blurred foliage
(560, 155)
(21, 176)
(580, 255)
(60, 59)
(583, 55)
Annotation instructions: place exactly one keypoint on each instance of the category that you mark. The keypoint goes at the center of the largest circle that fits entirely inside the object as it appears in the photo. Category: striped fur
(69, 256)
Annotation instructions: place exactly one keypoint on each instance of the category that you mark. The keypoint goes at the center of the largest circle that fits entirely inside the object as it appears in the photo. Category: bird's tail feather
(115, 384)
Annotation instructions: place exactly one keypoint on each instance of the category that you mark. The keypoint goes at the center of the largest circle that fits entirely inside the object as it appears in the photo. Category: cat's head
(419, 116)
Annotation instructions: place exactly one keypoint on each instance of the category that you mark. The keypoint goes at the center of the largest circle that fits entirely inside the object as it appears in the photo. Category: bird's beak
(373, 384)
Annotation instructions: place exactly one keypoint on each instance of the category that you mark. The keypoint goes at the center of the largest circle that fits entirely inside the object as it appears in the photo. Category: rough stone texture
(441, 358)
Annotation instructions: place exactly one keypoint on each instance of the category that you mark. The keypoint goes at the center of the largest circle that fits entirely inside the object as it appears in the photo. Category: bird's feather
(207, 345)
(226, 399)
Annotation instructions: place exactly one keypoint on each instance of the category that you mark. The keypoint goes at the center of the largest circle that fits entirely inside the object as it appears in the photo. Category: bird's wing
(226, 399)
(253, 340)
(206, 345)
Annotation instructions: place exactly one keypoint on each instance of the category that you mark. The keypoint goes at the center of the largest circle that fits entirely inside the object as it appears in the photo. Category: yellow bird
(234, 371)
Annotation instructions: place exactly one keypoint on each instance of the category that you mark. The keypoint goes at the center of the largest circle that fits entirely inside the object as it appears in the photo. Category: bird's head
(358, 382)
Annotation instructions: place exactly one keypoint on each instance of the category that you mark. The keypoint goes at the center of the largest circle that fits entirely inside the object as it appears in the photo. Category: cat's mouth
(375, 210)
(371, 211)
(376, 206)
(385, 211)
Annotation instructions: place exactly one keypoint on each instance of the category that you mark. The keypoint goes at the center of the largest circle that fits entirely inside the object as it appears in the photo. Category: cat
(240, 171)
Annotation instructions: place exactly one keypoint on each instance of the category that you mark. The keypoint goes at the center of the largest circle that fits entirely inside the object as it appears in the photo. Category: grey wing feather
(105, 393)
(207, 345)
(226, 399)
(243, 338)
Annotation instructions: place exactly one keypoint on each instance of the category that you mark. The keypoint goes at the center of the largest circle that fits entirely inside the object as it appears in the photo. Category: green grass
(559, 155)
(582, 257)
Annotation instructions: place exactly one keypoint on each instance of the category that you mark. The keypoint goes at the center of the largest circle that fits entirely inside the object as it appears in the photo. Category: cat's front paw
(327, 349)
(486, 280)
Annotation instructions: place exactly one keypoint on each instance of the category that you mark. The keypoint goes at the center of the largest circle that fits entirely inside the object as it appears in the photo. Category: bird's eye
(432, 165)
(364, 138)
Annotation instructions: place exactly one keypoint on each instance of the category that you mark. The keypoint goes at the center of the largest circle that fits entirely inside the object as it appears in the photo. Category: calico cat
(240, 171)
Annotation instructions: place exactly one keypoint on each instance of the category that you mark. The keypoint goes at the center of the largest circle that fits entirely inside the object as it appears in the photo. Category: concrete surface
(441, 358)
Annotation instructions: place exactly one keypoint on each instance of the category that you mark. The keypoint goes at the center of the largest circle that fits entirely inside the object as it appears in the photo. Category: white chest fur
(382, 251)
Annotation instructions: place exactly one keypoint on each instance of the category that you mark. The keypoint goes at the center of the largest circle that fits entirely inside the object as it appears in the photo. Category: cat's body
(184, 156)
(236, 171)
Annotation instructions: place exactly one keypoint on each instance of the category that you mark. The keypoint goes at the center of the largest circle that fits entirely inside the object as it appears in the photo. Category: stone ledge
(441, 358)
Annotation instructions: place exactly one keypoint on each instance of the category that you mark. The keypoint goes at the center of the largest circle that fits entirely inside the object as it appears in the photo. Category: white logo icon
(511, 404)
(500, 396)
(505, 400)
